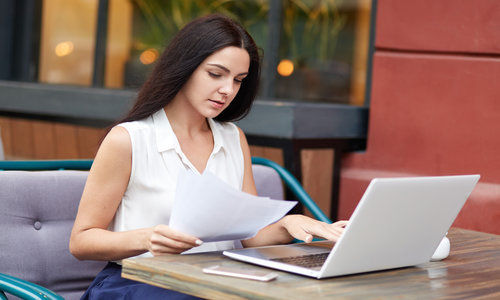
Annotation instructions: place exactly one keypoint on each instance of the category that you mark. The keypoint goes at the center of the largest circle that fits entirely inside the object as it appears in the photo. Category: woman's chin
(212, 113)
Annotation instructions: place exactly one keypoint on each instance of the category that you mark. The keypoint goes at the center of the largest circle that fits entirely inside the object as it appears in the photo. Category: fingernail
(199, 242)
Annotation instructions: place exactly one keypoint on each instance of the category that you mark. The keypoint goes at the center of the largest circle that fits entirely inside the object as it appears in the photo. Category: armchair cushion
(37, 213)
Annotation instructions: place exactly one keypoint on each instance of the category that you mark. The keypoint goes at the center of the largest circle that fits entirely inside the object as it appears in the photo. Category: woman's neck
(184, 120)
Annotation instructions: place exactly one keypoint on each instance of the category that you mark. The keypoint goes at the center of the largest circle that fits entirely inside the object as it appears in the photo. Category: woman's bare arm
(290, 226)
(106, 184)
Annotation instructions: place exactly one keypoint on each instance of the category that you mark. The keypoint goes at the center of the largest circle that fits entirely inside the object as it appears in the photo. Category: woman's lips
(217, 103)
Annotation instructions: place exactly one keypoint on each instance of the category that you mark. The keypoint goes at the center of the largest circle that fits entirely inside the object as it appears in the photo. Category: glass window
(67, 45)
(323, 51)
(67, 41)
(321, 54)
(119, 41)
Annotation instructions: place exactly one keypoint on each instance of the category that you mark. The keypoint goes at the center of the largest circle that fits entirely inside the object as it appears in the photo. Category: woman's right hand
(163, 239)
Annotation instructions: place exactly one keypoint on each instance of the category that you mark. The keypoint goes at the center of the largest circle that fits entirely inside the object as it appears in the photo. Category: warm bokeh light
(64, 48)
(149, 56)
(285, 67)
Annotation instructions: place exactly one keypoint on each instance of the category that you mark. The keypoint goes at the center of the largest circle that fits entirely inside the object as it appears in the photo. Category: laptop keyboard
(306, 261)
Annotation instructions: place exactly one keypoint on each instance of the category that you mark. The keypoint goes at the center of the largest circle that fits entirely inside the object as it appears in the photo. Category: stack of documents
(211, 210)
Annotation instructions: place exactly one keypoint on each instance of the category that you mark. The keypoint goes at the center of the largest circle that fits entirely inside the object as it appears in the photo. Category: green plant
(164, 18)
(311, 28)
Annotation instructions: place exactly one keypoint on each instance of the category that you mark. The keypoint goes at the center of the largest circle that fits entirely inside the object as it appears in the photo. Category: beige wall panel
(44, 140)
(31, 139)
(88, 140)
(317, 176)
(22, 139)
(66, 141)
(274, 154)
(5, 134)
(257, 151)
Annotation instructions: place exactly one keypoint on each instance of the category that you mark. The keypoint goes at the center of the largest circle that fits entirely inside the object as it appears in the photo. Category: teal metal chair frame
(39, 165)
(24, 289)
(27, 290)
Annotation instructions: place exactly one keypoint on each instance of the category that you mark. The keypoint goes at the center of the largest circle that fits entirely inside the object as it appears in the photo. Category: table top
(471, 271)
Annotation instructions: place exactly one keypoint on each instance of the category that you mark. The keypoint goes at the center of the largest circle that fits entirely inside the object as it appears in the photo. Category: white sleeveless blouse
(157, 159)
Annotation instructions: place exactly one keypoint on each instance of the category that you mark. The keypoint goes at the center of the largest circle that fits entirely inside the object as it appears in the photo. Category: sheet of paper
(208, 208)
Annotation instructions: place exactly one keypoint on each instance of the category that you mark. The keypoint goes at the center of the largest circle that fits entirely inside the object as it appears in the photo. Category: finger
(305, 237)
(160, 245)
(326, 231)
(300, 234)
(162, 250)
(341, 224)
(336, 230)
(164, 241)
(177, 235)
(304, 228)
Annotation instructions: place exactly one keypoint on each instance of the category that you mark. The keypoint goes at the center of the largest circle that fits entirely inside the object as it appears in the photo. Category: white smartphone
(261, 275)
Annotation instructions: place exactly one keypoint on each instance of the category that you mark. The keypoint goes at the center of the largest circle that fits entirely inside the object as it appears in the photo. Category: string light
(64, 48)
(149, 56)
(285, 67)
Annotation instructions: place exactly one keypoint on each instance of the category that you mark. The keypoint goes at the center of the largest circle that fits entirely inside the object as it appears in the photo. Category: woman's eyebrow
(226, 69)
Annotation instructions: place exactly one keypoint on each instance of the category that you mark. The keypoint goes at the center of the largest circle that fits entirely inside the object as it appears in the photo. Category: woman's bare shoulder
(243, 138)
(116, 145)
(119, 137)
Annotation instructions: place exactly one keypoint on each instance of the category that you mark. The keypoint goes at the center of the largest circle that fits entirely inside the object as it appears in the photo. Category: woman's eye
(214, 75)
(239, 79)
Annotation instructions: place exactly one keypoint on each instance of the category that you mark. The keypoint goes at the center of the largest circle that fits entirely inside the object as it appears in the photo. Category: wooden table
(471, 271)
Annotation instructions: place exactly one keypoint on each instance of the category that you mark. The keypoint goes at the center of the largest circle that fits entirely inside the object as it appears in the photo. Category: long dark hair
(187, 50)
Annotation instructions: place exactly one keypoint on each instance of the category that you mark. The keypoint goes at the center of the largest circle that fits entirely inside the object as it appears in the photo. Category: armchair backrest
(268, 182)
(37, 211)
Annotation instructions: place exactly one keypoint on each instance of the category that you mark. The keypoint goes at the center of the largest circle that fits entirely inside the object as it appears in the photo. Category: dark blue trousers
(110, 285)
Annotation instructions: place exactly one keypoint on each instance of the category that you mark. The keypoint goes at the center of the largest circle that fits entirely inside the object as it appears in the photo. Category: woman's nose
(227, 87)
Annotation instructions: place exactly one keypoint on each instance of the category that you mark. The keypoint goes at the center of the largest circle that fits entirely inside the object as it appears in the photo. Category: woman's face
(216, 81)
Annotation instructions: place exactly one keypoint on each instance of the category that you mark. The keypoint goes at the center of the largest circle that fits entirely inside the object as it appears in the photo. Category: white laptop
(399, 222)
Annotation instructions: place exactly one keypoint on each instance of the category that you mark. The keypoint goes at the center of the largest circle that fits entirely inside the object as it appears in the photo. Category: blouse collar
(166, 138)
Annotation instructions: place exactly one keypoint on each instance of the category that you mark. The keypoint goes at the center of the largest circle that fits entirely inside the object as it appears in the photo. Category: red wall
(435, 102)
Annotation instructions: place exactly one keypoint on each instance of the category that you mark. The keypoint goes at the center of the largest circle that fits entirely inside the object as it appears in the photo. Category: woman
(206, 77)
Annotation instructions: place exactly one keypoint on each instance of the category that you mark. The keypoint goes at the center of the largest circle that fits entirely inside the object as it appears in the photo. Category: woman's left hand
(305, 228)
